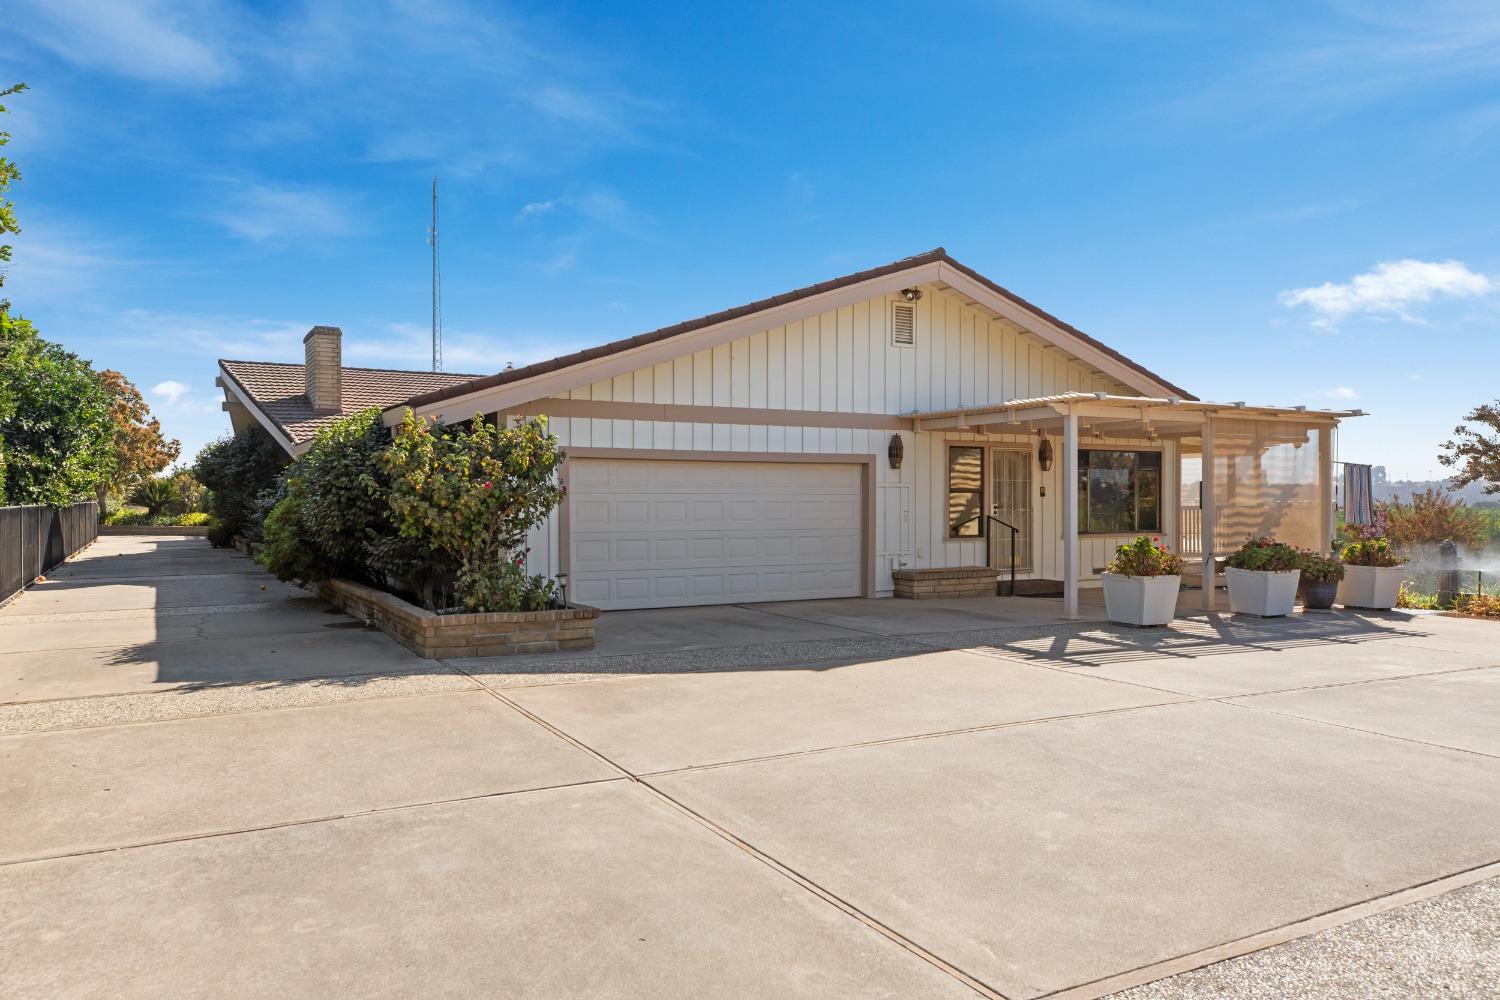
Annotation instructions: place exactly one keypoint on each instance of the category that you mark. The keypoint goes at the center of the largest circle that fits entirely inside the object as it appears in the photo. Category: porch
(1268, 470)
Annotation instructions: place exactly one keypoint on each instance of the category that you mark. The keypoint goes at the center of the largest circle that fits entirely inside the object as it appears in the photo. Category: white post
(1209, 514)
(1326, 520)
(1070, 514)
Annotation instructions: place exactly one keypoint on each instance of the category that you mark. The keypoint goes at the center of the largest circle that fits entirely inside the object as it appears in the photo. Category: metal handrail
(1014, 534)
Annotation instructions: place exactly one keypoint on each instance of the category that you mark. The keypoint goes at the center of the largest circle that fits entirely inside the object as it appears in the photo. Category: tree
(155, 494)
(8, 172)
(58, 437)
(140, 450)
(237, 470)
(1432, 518)
(1473, 453)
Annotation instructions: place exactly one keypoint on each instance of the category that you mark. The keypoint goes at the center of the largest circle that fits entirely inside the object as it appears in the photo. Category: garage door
(655, 534)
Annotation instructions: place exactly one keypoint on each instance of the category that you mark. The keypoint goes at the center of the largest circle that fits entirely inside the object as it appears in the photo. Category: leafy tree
(57, 435)
(1431, 518)
(237, 470)
(8, 172)
(1474, 453)
(140, 450)
(472, 492)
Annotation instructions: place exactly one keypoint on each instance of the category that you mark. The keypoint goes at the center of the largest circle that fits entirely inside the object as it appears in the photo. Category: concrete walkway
(214, 785)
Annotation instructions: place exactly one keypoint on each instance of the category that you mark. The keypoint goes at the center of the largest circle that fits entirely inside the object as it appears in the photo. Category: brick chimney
(324, 355)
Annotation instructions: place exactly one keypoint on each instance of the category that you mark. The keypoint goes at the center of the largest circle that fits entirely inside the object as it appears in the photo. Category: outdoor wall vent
(903, 324)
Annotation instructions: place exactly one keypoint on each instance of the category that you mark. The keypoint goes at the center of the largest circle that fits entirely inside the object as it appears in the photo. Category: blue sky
(1288, 203)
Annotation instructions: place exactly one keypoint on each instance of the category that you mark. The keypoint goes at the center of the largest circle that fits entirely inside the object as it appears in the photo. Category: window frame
(1084, 495)
(950, 534)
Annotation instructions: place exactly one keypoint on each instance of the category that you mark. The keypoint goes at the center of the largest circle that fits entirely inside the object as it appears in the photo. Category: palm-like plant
(155, 494)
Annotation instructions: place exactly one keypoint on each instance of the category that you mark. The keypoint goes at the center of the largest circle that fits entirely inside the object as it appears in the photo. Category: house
(887, 424)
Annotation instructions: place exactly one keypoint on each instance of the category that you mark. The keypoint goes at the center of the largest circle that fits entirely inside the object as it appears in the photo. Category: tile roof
(936, 255)
(280, 391)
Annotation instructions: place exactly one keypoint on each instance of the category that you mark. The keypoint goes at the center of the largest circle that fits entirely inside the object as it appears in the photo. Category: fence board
(35, 539)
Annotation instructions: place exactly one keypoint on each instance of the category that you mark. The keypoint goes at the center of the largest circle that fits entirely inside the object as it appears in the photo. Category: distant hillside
(1402, 489)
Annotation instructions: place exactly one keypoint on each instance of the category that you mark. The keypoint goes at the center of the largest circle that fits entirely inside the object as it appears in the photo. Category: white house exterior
(747, 455)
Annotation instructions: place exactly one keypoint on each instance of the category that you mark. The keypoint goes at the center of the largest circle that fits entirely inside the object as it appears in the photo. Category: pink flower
(487, 485)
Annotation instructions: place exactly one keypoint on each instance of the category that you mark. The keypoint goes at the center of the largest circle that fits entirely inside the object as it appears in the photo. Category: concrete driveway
(214, 785)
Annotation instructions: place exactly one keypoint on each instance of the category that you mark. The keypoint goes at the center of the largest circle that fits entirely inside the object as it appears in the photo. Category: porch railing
(34, 539)
(994, 556)
(1190, 523)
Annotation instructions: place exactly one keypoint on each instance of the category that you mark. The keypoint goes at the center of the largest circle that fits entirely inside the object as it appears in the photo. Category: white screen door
(1010, 501)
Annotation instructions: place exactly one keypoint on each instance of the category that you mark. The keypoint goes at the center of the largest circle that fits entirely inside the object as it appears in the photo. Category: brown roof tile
(280, 390)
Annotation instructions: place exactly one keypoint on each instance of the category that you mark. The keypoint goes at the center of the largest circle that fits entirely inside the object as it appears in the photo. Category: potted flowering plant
(1320, 580)
(1141, 584)
(1263, 575)
(1372, 575)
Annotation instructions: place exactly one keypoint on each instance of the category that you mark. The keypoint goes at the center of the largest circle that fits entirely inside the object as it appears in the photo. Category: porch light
(1044, 454)
(896, 451)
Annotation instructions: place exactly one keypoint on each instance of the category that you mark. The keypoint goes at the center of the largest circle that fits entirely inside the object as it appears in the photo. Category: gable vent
(903, 324)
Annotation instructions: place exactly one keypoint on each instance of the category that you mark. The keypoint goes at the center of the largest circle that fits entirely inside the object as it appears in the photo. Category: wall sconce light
(1044, 454)
(895, 451)
(911, 294)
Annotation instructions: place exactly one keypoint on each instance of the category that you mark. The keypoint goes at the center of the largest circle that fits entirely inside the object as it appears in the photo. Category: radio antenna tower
(437, 286)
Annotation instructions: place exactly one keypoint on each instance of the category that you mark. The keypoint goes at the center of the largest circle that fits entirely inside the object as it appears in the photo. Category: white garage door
(655, 534)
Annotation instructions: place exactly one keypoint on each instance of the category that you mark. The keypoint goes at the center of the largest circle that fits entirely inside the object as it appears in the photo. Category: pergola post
(1070, 514)
(1209, 513)
(1326, 521)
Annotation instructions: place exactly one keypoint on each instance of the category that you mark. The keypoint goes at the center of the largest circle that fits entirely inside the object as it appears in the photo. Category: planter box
(1269, 595)
(490, 633)
(186, 530)
(1141, 600)
(961, 581)
(1374, 587)
(1319, 595)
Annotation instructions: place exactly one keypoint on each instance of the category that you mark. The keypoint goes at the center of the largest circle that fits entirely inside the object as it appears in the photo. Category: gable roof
(279, 392)
(937, 255)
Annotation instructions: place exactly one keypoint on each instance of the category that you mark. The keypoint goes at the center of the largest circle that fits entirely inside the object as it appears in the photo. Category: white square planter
(1374, 587)
(1141, 600)
(1267, 594)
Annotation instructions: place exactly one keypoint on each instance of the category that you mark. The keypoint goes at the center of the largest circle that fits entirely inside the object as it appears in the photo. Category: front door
(1010, 501)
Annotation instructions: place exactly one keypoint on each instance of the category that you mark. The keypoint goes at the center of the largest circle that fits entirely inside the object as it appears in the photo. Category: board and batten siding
(843, 362)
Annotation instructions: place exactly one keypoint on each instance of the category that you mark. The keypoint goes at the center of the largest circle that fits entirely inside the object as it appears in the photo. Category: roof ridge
(351, 368)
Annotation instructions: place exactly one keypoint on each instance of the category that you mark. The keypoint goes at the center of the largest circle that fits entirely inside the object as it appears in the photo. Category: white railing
(1190, 523)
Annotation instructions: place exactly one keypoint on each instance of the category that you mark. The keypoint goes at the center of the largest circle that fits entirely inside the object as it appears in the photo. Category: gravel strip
(1447, 946)
(188, 703)
(511, 672)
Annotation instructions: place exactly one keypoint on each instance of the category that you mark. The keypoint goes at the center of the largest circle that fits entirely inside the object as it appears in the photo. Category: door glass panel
(1010, 501)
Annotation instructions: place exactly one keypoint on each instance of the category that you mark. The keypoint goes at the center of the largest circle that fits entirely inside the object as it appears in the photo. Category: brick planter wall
(962, 581)
(491, 633)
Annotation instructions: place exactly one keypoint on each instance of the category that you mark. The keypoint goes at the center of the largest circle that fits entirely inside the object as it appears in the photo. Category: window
(965, 492)
(1119, 491)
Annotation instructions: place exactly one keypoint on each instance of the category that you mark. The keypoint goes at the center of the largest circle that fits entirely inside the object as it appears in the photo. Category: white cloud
(536, 208)
(143, 39)
(1339, 392)
(170, 391)
(1392, 288)
(266, 212)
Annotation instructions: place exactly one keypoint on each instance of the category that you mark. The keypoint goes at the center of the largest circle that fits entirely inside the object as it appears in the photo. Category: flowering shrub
(1145, 557)
(472, 492)
(1321, 569)
(1372, 552)
(1265, 555)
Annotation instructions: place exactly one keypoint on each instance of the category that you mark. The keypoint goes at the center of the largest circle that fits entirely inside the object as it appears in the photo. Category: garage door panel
(713, 532)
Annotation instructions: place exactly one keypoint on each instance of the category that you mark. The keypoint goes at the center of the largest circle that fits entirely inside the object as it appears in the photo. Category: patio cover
(1270, 467)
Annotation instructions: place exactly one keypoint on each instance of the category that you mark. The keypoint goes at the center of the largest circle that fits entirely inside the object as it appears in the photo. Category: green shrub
(1265, 555)
(128, 517)
(1372, 552)
(1145, 556)
(155, 493)
(286, 553)
(472, 492)
(1321, 569)
(236, 471)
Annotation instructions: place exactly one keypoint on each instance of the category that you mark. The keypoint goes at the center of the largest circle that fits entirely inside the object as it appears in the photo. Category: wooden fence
(34, 539)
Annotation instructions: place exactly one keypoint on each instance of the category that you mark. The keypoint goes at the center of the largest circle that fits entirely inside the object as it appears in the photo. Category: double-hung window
(1119, 491)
